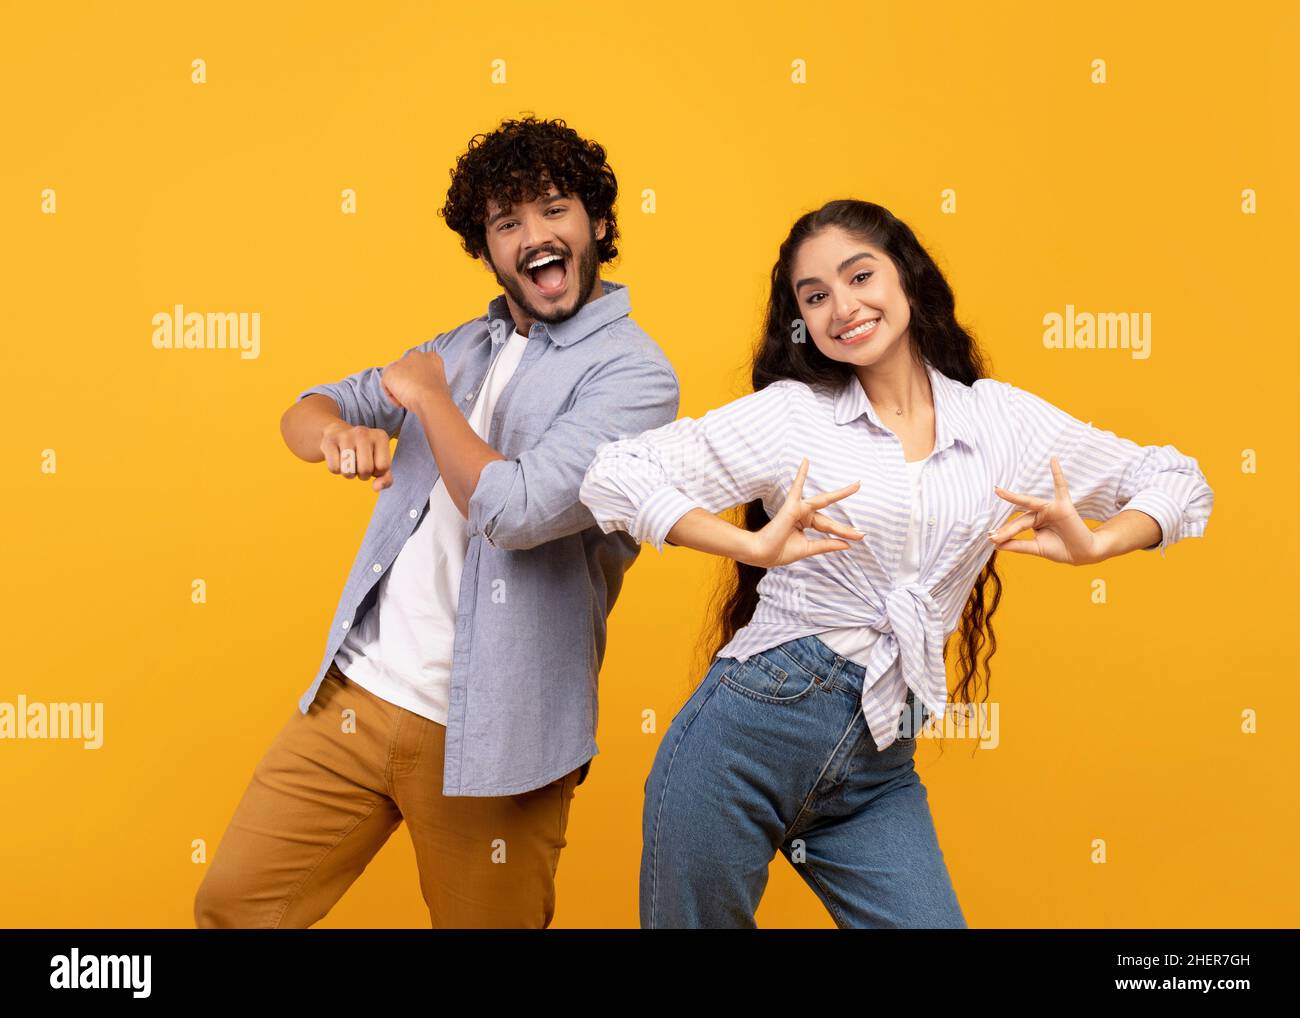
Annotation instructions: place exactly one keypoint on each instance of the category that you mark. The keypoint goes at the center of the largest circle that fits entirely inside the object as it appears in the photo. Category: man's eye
(862, 273)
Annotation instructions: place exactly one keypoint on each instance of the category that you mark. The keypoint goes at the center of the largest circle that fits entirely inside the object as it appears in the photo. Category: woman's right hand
(357, 451)
(783, 541)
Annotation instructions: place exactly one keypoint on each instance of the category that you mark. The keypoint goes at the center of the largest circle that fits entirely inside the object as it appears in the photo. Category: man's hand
(417, 376)
(360, 452)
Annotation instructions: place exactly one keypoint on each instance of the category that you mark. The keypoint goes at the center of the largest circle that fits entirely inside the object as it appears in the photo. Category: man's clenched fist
(419, 374)
(360, 452)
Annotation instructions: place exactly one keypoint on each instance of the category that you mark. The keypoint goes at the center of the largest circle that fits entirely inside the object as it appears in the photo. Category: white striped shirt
(986, 434)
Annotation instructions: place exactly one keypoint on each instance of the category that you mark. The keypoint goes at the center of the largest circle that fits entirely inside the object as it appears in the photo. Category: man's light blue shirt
(540, 577)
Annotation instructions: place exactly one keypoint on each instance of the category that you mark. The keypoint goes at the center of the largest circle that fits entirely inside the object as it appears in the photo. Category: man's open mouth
(549, 275)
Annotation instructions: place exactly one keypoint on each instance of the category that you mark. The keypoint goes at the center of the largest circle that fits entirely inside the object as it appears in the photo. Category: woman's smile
(860, 331)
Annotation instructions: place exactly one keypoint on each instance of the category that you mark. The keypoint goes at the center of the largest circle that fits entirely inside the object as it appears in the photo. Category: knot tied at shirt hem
(912, 628)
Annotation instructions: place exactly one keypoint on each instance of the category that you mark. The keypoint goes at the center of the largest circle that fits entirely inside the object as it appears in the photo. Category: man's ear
(600, 229)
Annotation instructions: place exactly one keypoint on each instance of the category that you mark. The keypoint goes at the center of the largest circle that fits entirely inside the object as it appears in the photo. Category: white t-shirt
(401, 649)
(853, 642)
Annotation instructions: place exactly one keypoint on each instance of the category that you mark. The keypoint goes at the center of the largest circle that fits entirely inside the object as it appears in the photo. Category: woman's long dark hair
(936, 337)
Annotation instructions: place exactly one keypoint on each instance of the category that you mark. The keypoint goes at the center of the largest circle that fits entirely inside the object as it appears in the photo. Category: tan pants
(323, 800)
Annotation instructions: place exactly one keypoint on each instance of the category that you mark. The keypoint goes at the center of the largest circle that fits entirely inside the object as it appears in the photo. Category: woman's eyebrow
(838, 269)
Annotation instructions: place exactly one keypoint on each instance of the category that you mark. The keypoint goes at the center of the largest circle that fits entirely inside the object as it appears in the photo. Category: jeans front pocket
(761, 678)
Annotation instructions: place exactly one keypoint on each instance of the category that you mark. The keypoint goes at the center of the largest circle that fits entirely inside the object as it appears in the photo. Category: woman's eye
(864, 274)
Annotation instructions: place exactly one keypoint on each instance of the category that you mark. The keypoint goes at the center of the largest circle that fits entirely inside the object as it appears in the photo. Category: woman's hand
(783, 541)
(1059, 532)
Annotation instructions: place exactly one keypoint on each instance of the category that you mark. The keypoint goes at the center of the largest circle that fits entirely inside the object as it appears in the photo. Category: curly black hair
(515, 163)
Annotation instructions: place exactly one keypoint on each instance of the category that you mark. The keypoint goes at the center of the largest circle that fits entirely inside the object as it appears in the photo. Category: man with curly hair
(458, 686)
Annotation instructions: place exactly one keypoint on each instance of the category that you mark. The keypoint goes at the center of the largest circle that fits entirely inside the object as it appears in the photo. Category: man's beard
(586, 271)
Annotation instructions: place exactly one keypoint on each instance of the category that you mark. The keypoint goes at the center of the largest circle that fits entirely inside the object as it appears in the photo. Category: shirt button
(932, 521)
(415, 513)
(346, 623)
(377, 568)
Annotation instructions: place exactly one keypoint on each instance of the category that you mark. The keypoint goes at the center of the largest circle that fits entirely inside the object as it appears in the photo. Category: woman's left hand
(1059, 532)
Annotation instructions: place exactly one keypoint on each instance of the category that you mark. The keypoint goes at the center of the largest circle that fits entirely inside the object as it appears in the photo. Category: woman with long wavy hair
(871, 422)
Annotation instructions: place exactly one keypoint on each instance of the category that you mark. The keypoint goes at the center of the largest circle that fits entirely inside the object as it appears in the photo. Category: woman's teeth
(861, 330)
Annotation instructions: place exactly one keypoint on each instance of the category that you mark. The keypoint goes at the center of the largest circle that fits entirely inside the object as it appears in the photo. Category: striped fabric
(986, 434)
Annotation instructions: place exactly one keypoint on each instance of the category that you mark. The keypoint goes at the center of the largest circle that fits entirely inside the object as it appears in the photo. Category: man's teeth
(545, 259)
(864, 327)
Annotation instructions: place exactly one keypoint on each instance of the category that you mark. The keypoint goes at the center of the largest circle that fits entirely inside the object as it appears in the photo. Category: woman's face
(842, 284)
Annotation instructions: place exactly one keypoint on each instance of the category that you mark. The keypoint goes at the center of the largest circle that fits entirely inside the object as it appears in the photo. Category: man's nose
(535, 234)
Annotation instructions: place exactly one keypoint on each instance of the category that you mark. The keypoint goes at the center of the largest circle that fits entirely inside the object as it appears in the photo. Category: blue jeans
(774, 754)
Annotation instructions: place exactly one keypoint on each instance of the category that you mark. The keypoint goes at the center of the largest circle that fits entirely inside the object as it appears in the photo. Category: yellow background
(1119, 721)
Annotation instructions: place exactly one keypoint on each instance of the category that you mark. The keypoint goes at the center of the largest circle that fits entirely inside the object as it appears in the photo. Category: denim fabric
(773, 754)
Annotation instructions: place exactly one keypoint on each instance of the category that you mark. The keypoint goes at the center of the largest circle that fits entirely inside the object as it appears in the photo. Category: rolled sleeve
(496, 481)
(659, 513)
(1170, 488)
(1165, 511)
